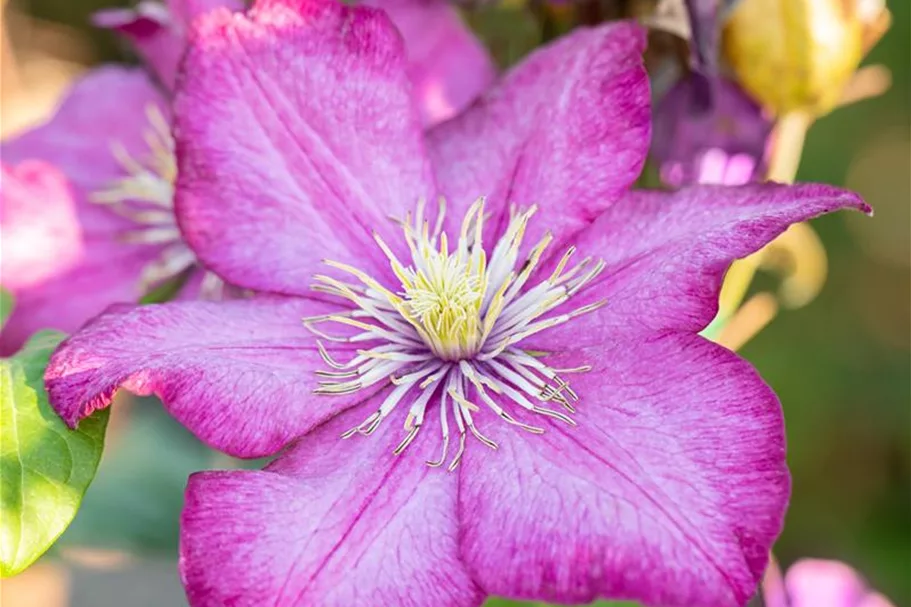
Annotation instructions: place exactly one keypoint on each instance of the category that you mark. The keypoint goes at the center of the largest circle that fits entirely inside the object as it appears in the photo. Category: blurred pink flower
(666, 482)
(818, 583)
(447, 65)
(158, 30)
(104, 165)
(707, 130)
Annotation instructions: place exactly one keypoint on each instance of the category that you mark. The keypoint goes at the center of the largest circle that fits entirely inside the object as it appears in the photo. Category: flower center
(445, 298)
(454, 329)
(145, 196)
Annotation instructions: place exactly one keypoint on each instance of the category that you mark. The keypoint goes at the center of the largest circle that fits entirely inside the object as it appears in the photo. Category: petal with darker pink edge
(665, 254)
(568, 130)
(670, 491)
(297, 138)
(332, 522)
(238, 374)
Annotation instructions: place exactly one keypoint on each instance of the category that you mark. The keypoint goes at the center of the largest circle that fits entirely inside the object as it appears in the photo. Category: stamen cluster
(454, 328)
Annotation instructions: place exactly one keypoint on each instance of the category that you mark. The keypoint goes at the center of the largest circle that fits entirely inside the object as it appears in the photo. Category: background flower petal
(707, 130)
(335, 523)
(705, 26)
(153, 31)
(448, 66)
(107, 106)
(670, 491)
(55, 241)
(53, 248)
(188, 10)
(817, 582)
(666, 253)
(238, 374)
(568, 129)
(297, 138)
(158, 31)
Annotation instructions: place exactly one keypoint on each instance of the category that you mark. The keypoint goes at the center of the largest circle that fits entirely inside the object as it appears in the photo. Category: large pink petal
(238, 374)
(158, 31)
(297, 137)
(670, 491)
(61, 261)
(334, 523)
(448, 66)
(568, 129)
(666, 254)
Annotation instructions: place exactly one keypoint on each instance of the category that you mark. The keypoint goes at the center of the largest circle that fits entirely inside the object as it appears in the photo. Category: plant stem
(790, 134)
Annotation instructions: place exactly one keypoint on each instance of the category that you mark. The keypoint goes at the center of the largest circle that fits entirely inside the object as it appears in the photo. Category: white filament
(454, 329)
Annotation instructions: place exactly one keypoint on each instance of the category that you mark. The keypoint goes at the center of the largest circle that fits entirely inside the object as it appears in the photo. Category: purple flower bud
(707, 130)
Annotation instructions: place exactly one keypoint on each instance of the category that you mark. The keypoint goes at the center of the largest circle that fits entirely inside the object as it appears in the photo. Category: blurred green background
(841, 365)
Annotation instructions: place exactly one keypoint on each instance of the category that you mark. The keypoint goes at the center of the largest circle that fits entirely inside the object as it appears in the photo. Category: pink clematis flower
(529, 332)
(818, 583)
(108, 151)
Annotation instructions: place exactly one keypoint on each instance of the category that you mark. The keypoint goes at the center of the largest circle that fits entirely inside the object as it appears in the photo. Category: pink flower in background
(447, 65)
(818, 583)
(99, 175)
(108, 151)
(494, 303)
(707, 130)
(158, 30)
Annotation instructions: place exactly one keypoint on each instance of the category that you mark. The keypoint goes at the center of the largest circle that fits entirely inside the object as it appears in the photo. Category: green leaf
(45, 466)
(6, 305)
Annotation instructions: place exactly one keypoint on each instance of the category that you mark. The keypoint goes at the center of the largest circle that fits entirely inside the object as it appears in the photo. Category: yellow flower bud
(799, 54)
